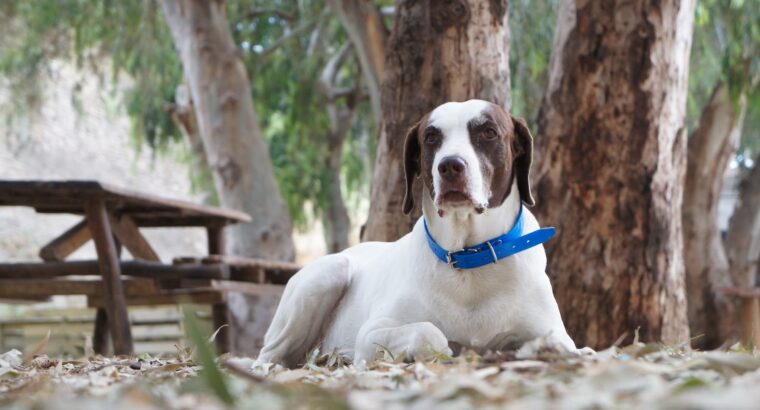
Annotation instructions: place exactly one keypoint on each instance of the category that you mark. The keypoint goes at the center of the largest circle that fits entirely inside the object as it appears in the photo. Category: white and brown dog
(471, 271)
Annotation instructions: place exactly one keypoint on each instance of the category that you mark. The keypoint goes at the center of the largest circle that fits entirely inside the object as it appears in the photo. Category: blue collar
(493, 250)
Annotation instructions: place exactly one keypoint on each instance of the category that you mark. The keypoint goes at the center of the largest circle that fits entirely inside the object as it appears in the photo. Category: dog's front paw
(425, 341)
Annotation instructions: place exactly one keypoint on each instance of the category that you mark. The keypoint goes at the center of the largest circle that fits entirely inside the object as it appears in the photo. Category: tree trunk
(235, 149)
(364, 24)
(182, 112)
(710, 149)
(743, 249)
(335, 218)
(438, 51)
(612, 170)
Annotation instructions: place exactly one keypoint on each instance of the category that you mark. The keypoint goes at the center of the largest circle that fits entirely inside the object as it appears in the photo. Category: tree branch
(327, 78)
(364, 24)
(307, 25)
(258, 12)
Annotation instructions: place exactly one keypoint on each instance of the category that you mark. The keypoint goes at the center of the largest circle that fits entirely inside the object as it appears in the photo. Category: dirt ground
(646, 376)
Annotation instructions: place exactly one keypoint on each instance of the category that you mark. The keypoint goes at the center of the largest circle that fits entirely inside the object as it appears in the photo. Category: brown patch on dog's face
(505, 149)
(468, 154)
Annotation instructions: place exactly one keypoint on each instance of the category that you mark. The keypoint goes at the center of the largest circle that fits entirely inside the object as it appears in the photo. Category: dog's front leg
(308, 299)
(415, 340)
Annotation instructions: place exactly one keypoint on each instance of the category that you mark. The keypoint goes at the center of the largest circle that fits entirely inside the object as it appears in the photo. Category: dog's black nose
(451, 167)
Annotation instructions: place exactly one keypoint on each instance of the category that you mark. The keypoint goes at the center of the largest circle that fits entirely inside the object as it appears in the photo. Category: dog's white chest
(474, 315)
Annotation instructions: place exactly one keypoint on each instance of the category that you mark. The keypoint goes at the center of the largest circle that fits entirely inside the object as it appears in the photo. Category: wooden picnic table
(112, 217)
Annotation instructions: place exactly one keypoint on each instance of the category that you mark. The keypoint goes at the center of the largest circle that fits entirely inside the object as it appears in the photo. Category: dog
(470, 273)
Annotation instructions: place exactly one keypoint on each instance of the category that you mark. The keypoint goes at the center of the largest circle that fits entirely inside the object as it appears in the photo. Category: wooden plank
(61, 247)
(145, 218)
(24, 301)
(129, 236)
(116, 304)
(253, 262)
(201, 297)
(68, 197)
(141, 269)
(67, 321)
(36, 288)
(248, 269)
(247, 288)
(100, 339)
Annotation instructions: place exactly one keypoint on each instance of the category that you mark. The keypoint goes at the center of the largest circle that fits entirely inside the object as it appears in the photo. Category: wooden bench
(749, 315)
(112, 218)
(155, 330)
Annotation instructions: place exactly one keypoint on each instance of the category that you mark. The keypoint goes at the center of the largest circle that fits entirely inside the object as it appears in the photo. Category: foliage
(726, 48)
(284, 43)
(130, 36)
(531, 26)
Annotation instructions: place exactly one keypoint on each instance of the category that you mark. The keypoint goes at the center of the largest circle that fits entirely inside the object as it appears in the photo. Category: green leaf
(205, 352)
(691, 383)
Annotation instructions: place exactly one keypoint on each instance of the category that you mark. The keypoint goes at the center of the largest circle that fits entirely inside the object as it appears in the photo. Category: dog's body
(399, 295)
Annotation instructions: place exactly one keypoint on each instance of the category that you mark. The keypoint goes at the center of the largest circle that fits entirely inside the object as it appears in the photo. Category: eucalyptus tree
(438, 51)
(229, 127)
(612, 124)
(314, 96)
(725, 73)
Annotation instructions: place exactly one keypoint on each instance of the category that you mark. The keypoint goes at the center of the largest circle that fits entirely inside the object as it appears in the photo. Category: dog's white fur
(398, 295)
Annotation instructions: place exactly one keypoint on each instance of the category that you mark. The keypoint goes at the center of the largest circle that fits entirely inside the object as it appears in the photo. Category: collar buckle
(450, 258)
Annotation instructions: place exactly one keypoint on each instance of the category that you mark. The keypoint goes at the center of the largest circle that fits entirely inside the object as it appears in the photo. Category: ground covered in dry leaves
(637, 376)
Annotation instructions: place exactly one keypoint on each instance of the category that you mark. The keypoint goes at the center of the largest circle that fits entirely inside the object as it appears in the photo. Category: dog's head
(468, 154)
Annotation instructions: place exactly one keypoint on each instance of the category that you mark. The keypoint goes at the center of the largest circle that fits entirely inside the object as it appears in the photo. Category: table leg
(220, 311)
(216, 242)
(100, 333)
(113, 289)
(750, 321)
(117, 245)
(221, 316)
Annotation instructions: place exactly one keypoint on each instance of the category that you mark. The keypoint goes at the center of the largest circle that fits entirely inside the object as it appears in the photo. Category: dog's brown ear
(523, 149)
(411, 165)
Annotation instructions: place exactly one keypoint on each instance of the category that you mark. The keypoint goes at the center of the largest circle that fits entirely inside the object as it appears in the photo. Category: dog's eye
(432, 137)
(490, 134)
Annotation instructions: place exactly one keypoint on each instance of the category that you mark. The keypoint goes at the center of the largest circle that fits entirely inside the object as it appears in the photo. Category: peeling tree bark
(743, 249)
(710, 149)
(613, 143)
(364, 24)
(236, 151)
(439, 51)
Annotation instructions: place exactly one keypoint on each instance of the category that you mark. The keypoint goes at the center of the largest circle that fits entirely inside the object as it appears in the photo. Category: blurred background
(110, 90)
